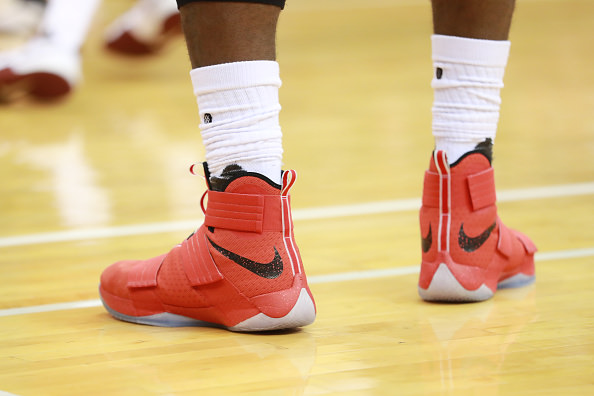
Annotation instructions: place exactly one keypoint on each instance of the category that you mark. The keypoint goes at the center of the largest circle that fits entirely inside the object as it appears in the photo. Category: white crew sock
(66, 23)
(467, 83)
(239, 108)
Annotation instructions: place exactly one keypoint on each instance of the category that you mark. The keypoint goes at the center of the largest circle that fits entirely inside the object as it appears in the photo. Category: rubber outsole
(127, 44)
(519, 280)
(42, 85)
(303, 313)
(444, 287)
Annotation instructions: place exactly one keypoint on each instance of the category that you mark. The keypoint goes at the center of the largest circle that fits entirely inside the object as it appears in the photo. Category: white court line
(316, 279)
(326, 212)
(50, 307)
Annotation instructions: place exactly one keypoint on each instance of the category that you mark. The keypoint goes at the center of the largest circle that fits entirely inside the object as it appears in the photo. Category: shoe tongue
(468, 163)
(254, 182)
(486, 149)
(222, 181)
(474, 156)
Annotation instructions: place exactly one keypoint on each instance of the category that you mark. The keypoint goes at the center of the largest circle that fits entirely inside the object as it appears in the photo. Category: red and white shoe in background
(144, 28)
(240, 270)
(467, 252)
(39, 69)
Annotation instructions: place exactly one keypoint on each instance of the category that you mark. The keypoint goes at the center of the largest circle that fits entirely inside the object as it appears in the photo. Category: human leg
(225, 32)
(467, 251)
(236, 81)
(478, 19)
(241, 269)
(470, 52)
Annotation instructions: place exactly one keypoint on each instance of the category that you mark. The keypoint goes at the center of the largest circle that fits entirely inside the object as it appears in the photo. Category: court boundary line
(315, 279)
(316, 213)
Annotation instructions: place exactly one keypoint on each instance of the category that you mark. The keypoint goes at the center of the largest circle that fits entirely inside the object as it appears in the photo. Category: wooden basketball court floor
(102, 176)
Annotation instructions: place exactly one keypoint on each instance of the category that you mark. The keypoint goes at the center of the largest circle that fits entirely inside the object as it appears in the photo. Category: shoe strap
(252, 212)
(196, 260)
(506, 245)
(480, 187)
(144, 273)
(243, 212)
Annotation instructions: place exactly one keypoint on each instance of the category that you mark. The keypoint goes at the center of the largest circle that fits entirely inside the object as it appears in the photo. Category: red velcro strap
(197, 262)
(144, 273)
(506, 241)
(529, 246)
(243, 212)
(505, 245)
(239, 212)
(482, 189)
(431, 190)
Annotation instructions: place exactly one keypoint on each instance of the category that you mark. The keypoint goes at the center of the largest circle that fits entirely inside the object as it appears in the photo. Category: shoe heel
(303, 313)
(445, 287)
(49, 86)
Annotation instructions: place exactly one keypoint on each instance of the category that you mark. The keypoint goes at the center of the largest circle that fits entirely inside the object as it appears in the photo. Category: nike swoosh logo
(271, 270)
(470, 244)
(427, 241)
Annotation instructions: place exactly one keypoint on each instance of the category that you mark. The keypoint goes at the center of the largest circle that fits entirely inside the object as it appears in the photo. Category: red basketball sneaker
(38, 69)
(145, 28)
(467, 251)
(241, 269)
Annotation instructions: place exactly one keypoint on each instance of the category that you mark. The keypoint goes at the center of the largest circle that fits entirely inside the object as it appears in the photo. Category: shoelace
(193, 172)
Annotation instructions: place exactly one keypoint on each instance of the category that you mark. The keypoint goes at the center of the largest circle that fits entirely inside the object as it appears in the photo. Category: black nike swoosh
(271, 270)
(470, 244)
(427, 241)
